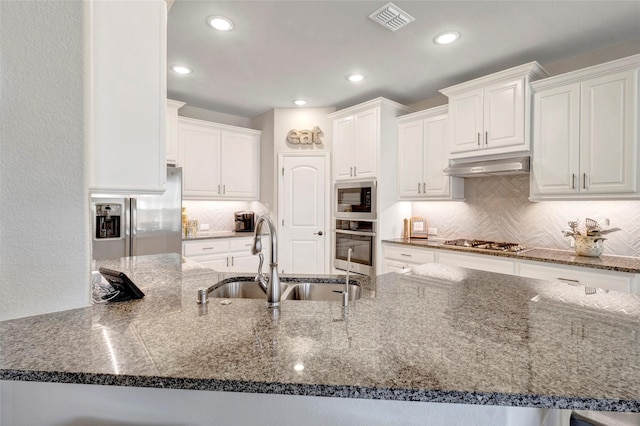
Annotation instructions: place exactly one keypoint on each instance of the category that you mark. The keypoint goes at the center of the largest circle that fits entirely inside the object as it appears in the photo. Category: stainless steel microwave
(356, 200)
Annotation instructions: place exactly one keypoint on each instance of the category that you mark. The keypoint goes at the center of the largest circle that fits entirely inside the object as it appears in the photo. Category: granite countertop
(206, 235)
(439, 334)
(564, 257)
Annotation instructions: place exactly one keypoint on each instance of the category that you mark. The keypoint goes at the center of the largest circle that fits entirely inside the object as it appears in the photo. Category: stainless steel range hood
(504, 166)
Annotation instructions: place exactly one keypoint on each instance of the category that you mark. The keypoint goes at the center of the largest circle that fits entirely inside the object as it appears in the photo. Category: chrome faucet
(345, 293)
(271, 286)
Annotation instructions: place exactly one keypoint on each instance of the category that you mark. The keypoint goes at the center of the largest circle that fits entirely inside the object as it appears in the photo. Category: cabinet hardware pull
(355, 171)
(584, 181)
(418, 187)
(207, 248)
(231, 260)
(351, 171)
(486, 138)
(224, 189)
(478, 138)
(218, 189)
(405, 254)
(573, 181)
(247, 245)
(318, 233)
(424, 191)
(567, 279)
(227, 262)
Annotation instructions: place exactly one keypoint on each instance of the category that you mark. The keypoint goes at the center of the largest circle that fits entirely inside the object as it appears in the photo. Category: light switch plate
(432, 231)
(204, 226)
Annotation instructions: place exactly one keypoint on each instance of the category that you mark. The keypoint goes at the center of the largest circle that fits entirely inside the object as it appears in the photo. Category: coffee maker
(245, 221)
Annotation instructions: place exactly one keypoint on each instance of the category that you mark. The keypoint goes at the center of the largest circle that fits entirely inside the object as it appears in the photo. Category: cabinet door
(556, 141)
(504, 114)
(410, 159)
(609, 280)
(200, 160)
(465, 126)
(240, 165)
(366, 142)
(480, 262)
(435, 157)
(127, 110)
(609, 138)
(343, 147)
(172, 130)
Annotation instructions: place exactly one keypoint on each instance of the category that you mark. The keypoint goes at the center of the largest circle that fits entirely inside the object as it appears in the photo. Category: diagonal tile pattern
(498, 208)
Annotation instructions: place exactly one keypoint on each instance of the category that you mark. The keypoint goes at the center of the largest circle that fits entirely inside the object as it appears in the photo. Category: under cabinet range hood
(503, 166)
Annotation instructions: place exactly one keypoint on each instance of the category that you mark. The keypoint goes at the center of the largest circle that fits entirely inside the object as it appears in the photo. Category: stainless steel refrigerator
(147, 224)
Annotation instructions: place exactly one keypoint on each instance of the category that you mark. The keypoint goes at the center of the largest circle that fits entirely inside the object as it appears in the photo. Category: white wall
(44, 206)
(217, 117)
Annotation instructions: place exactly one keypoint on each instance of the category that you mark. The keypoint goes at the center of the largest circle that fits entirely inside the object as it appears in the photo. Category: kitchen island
(439, 334)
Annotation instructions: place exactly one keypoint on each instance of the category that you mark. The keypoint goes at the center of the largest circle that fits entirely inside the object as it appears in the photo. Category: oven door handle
(362, 233)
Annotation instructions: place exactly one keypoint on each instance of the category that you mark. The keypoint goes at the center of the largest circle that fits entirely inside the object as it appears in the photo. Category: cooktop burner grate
(487, 245)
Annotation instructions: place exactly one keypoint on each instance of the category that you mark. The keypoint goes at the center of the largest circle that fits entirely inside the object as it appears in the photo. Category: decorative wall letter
(305, 136)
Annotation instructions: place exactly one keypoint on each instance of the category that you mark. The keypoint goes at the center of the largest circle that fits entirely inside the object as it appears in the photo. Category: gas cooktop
(486, 245)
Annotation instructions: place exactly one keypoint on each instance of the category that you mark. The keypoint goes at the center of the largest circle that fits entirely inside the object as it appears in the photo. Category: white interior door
(303, 198)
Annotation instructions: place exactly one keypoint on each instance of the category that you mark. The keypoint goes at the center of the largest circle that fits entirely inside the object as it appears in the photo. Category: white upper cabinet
(585, 133)
(490, 115)
(422, 155)
(126, 96)
(219, 162)
(172, 130)
(357, 138)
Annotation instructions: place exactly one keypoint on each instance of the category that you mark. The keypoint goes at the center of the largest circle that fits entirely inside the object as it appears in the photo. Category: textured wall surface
(44, 213)
(219, 214)
(497, 208)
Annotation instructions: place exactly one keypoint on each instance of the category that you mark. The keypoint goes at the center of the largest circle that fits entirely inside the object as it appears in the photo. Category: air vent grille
(392, 17)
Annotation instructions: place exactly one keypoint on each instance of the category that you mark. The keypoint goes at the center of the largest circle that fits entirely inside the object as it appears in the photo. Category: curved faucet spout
(273, 283)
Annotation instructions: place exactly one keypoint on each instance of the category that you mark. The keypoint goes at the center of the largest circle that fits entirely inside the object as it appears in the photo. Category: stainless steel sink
(238, 288)
(292, 289)
(328, 292)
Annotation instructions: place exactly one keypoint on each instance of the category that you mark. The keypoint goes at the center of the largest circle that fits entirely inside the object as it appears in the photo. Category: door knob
(318, 233)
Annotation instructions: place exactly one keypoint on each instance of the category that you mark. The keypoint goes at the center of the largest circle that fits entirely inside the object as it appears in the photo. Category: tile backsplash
(219, 214)
(497, 208)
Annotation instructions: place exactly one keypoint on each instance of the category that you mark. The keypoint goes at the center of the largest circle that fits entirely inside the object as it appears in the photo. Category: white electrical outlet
(572, 241)
(432, 231)
(204, 226)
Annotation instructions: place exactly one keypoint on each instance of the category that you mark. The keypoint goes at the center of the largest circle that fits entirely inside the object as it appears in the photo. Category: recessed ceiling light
(180, 69)
(300, 102)
(446, 37)
(354, 78)
(220, 23)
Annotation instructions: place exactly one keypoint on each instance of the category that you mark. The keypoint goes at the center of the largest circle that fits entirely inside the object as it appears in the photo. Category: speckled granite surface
(441, 334)
(207, 235)
(565, 257)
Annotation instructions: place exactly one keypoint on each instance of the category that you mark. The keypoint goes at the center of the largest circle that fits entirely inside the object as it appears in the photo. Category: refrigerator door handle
(133, 242)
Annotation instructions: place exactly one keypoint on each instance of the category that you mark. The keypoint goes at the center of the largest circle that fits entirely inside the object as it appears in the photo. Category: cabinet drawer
(479, 262)
(244, 244)
(610, 280)
(411, 255)
(213, 246)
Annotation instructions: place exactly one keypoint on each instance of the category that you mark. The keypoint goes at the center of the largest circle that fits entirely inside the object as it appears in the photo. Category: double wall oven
(355, 226)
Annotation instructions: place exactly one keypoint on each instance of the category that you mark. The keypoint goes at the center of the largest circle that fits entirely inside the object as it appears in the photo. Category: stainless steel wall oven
(361, 237)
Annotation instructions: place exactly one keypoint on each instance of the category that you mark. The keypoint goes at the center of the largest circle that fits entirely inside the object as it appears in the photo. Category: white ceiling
(280, 51)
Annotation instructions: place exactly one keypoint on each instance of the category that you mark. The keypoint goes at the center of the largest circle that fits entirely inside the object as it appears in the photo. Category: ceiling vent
(392, 17)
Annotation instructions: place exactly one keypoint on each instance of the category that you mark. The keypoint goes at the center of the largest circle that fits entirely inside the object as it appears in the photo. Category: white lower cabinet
(610, 280)
(480, 262)
(226, 254)
(397, 257)
(400, 257)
